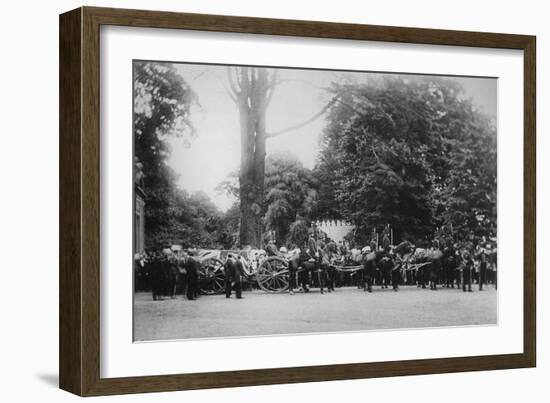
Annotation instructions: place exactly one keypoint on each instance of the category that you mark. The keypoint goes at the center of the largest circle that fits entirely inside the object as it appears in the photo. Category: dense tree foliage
(290, 193)
(162, 105)
(162, 102)
(411, 152)
(298, 233)
(290, 196)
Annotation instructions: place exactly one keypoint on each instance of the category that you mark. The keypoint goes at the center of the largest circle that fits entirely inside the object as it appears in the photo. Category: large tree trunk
(252, 89)
(252, 107)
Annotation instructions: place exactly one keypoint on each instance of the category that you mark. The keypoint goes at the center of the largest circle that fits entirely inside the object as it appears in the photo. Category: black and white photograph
(271, 200)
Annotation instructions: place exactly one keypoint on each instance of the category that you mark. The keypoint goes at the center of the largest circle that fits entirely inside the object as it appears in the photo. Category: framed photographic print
(249, 201)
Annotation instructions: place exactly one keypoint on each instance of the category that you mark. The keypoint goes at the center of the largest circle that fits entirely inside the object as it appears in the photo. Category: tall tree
(162, 102)
(252, 89)
(411, 152)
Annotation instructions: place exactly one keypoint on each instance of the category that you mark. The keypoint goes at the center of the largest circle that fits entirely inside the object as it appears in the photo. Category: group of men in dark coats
(164, 275)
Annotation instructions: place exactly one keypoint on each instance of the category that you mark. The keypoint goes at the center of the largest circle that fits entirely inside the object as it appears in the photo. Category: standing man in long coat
(156, 275)
(192, 267)
(234, 271)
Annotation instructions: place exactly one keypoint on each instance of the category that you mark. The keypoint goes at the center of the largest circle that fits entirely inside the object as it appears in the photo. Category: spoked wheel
(272, 275)
(212, 277)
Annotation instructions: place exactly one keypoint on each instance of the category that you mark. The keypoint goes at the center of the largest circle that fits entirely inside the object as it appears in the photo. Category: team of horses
(383, 267)
(424, 267)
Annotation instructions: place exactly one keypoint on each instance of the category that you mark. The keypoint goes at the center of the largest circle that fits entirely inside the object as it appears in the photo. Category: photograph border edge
(79, 235)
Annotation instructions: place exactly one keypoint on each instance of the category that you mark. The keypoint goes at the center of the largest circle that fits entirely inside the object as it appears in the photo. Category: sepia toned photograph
(278, 201)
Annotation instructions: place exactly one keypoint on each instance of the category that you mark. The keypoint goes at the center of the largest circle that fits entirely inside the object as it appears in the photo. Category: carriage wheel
(212, 277)
(272, 275)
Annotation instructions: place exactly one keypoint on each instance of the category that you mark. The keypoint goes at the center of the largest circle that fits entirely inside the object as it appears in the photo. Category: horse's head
(368, 256)
(404, 248)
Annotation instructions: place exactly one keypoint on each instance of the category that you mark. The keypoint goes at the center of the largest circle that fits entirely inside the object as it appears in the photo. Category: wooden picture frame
(79, 348)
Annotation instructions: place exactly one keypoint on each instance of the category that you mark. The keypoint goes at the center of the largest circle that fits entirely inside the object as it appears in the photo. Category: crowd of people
(325, 264)
(166, 274)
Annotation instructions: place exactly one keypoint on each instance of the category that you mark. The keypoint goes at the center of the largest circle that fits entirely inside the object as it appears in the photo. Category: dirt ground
(346, 309)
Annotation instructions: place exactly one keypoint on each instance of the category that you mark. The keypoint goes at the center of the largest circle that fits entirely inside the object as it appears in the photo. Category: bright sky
(215, 152)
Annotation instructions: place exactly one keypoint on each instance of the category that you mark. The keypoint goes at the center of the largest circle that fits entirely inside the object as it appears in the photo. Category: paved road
(260, 313)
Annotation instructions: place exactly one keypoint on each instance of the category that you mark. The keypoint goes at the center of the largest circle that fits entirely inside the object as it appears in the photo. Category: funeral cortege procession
(285, 194)
(321, 263)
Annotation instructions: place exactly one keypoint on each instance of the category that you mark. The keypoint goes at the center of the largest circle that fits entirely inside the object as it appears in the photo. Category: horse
(450, 267)
(400, 255)
(431, 264)
(372, 261)
(356, 258)
(385, 266)
(436, 263)
(301, 263)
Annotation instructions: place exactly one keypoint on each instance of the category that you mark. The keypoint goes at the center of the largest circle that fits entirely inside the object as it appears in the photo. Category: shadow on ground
(49, 379)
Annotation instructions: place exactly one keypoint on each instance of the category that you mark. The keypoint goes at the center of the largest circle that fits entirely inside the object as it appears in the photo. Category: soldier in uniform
(435, 266)
(318, 277)
(467, 267)
(399, 253)
(327, 269)
(304, 265)
(344, 251)
(385, 260)
(293, 265)
(482, 257)
(303, 262)
(308, 262)
(386, 244)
